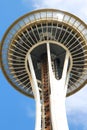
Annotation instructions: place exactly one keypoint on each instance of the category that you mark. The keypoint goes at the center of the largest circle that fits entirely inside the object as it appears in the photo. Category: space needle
(44, 56)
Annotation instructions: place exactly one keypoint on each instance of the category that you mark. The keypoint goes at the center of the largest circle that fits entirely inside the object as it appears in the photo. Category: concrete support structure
(56, 96)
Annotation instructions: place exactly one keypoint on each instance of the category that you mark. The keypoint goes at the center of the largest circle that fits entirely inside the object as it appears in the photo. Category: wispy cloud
(78, 120)
(78, 101)
(77, 108)
(30, 112)
(29, 109)
(78, 7)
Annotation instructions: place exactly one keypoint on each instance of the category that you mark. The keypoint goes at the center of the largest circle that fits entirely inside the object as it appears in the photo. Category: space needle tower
(44, 56)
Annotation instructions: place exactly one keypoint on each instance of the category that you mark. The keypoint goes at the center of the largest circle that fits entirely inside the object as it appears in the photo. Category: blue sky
(17, 112)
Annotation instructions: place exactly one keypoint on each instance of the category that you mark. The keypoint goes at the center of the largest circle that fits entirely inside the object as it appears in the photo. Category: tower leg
(58, 90)
(35, 89)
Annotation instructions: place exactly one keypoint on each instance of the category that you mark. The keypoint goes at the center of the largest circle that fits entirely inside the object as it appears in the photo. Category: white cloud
(78, 120)
(30, 109)
(30, 112)
(78, 101)
(46, 3)
(77, 108)
(77, 7)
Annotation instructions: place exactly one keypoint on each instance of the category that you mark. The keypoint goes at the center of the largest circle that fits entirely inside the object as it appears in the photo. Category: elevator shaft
(46, 114)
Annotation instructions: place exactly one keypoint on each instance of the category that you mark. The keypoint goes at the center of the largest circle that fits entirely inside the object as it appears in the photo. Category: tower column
(35, 89)
(58, 90)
